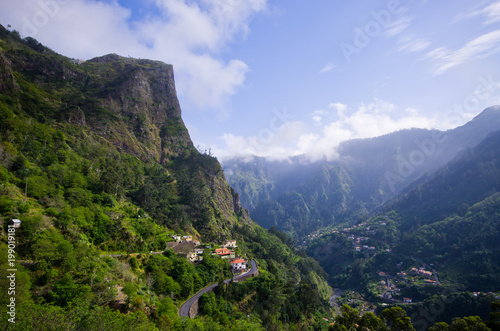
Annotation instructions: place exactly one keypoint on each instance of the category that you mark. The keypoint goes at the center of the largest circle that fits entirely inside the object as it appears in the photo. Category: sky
(277, 78)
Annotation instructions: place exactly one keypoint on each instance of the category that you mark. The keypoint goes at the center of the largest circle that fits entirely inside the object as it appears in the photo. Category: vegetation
(101, 173)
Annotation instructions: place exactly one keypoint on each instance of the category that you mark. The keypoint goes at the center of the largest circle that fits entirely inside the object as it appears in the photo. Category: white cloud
(275, 144)
(411, 44)
(491, 13)
(339, 107)
(188, 34)
(484, 45)
(321, 141)
(328, 67)
(398, 26)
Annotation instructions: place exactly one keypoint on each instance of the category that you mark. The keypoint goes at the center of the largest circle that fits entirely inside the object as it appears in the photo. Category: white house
(238, 264)
(230, 244)
(15, 223)
(192, 257)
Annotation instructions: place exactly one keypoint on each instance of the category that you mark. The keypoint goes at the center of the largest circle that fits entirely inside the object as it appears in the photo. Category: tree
(66, 290)
(494, 321)
(348, 320)
(396, 319)
(371, 322)
(470, 323)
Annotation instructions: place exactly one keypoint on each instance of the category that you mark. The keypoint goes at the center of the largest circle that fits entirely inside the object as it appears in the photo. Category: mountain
(453, 217)
(436, 242)
(131, 106)
(96, 163)
(367, 173)
(471, 177)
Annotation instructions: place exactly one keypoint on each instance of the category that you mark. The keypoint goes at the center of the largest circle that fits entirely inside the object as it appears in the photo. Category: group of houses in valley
(391, 285)
(422, 272)
(193, 250)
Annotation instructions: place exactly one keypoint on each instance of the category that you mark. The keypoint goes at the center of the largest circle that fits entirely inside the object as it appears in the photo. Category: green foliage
(471, 323)
(393, 319)
(66, 291)
(494, 317)
(102, 177)
(453, 242)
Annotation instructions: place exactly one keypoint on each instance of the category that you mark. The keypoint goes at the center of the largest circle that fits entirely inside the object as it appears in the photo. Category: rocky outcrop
(130, 104)
(142, 93)
(8, 82)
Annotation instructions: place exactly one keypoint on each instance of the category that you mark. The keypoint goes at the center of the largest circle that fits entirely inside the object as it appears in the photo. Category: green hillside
(95, 160)
(436, 244)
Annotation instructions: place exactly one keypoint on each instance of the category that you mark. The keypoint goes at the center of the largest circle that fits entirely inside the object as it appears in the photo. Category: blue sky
(285, 77)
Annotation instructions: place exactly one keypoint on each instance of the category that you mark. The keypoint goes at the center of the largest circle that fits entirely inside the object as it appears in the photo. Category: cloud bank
(319, 137)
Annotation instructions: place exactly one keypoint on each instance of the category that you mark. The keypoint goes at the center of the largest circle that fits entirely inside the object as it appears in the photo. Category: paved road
(184, 311)
(132, 254)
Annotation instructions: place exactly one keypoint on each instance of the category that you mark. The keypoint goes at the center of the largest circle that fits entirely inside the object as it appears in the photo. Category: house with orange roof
(238, 264)
(224, 253)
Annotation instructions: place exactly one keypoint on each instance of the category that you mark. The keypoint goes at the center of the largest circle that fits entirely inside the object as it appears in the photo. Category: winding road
(186, 306)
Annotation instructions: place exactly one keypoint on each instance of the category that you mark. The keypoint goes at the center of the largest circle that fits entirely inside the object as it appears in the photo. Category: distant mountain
(450, 219)
(447, 223)
(299, 196)
(474, 175)
(464, 246)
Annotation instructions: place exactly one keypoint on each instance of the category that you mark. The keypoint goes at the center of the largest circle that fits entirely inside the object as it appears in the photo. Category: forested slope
(95, 160)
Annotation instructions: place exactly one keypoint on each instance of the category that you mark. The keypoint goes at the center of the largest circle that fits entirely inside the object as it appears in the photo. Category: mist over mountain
(298, 196)
(436, 243)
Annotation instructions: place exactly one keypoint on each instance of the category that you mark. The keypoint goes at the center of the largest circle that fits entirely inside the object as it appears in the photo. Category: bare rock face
(141, 93)
(7, 80)
(77, 116)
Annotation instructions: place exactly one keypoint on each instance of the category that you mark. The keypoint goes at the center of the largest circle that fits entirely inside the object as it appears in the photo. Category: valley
(120, 220)
(428, 240)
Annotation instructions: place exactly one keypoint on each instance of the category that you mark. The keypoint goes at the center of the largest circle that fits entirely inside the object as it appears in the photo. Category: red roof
(239, 261)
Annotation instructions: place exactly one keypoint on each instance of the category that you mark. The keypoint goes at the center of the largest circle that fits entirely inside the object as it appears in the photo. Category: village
(391, 285)
(193, 251)
(367, 239)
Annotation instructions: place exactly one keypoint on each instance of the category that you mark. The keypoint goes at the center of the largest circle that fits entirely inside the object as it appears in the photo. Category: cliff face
(131, 105)
(142, 94)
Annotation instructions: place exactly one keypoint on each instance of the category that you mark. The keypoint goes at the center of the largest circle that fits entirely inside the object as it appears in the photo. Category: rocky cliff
(131, 106)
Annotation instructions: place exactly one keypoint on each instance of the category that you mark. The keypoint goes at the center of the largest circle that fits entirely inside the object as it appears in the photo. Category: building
(230, 244)
(15, 223)
(192, 256)
(187, 238)
(407, 300)
(224, 253)
(238, 264)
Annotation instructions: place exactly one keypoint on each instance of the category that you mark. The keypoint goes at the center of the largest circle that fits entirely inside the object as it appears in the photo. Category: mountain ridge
(95, 159)
(377, 168)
